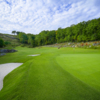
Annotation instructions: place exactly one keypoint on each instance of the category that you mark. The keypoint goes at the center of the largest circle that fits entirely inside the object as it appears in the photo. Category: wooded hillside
(81, 32)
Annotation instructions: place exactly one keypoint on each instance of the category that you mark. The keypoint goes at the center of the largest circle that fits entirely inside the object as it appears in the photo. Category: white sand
(34, 55)
(5, 69)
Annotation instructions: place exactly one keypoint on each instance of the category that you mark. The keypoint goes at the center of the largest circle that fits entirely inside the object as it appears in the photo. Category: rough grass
(57, 74)
(10, 38)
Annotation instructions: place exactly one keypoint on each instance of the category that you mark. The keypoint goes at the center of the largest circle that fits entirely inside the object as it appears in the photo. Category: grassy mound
(56, 74)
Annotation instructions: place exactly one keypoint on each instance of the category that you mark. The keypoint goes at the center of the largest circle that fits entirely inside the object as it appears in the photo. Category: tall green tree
(31, 40)
(23, 37)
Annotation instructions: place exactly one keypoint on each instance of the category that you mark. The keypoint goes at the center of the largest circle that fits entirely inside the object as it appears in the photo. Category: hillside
(81, 32)
(10, 38)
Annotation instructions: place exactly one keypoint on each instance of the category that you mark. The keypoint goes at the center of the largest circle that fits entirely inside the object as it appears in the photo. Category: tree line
(81, 32)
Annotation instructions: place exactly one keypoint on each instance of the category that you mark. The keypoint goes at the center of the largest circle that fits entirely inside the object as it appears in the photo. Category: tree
(81, 32)
(31, 40)
(23, 37)
(13, 32)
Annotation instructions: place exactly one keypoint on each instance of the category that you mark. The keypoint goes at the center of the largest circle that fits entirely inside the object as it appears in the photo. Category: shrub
(7, 43)
(22, 45)
(30, 46)
(1, 42)
(93, 47)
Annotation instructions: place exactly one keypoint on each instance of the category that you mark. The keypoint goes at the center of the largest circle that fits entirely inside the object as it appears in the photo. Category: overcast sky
(33, 16)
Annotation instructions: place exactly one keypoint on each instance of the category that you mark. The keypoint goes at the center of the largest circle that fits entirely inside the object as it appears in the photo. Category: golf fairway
(56, 74)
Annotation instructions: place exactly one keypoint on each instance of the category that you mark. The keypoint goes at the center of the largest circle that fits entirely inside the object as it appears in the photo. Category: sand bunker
(5, 69)
(34, 55)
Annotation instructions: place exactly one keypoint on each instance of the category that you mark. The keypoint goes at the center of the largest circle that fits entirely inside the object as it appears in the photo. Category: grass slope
(47, 77)
(10, 38)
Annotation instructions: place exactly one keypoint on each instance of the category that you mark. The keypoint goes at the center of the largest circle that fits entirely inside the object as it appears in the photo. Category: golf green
(85, 67)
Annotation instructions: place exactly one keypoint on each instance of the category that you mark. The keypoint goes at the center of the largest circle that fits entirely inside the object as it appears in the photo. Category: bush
(30, 46)
(1, 42)
(7, 43)
(22, 45)
(93, 47)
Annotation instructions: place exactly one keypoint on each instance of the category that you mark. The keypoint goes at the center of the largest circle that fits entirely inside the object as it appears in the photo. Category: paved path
(5, 69)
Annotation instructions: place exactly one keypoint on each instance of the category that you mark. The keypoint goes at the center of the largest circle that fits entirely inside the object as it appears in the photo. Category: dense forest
(81, 32)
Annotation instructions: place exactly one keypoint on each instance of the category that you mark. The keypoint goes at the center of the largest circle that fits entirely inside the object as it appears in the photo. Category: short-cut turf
(85, 67)
(56, 74)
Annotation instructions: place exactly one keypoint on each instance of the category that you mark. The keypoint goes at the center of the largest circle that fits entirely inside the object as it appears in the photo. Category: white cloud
(33, 16)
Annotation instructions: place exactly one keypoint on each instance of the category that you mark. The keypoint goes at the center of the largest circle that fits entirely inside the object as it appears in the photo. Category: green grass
(57, 74)
(85, 67)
